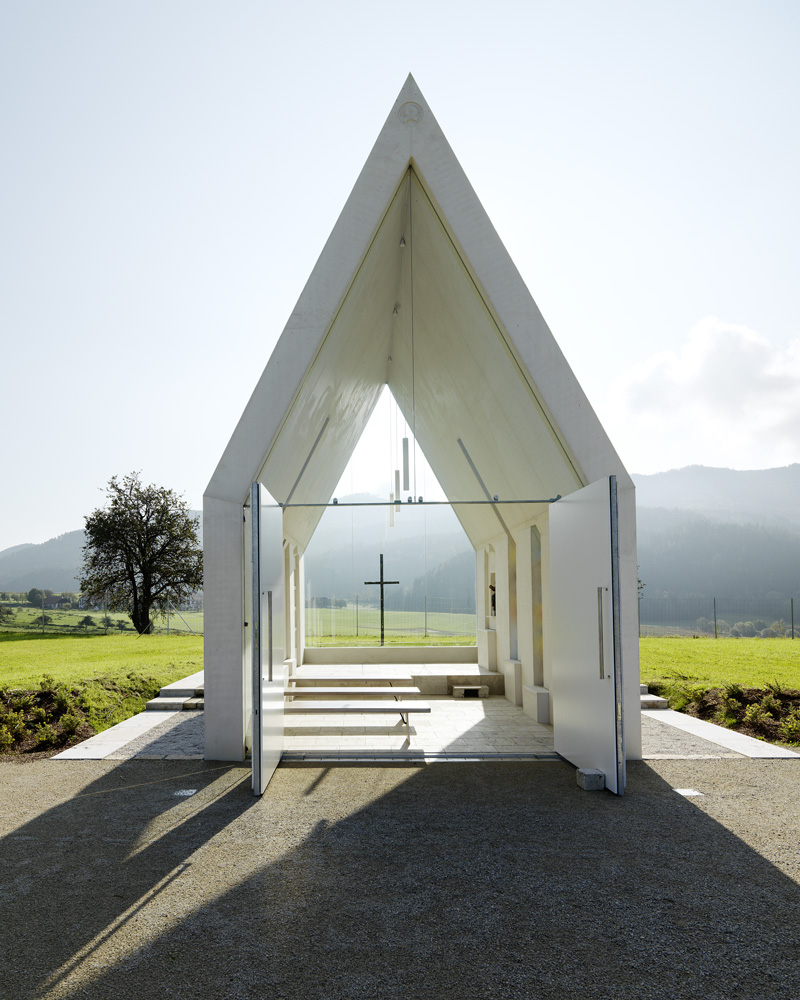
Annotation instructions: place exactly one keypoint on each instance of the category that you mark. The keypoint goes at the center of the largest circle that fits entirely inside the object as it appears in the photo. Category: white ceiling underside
(416, 318)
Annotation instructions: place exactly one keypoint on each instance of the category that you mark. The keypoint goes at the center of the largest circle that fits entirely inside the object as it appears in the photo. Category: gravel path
(143, 880)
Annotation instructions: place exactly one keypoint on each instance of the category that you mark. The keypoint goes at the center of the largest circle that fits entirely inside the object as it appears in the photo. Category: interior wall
(532, 543)
(300, 600)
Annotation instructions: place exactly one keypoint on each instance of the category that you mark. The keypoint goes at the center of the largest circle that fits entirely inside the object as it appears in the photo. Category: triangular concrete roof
(414, 289)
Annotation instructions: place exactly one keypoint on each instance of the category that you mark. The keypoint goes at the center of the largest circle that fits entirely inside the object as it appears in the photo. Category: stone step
(355, 707)
(180, 692)
(339, 677)
(312, 691)
(174, 704)
(643, 689)
(651, 701)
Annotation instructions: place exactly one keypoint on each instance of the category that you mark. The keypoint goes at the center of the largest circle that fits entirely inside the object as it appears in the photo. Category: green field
(361, 626)
(717, 662)
(112, 676)
(29, 619)
(72, 659)
(119, 672)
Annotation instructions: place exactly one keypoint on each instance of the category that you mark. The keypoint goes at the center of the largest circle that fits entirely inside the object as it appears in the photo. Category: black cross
(382, 583)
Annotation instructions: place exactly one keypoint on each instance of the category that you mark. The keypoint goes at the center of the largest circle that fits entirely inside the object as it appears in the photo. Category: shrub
(14, 722)
(754, 715)
(22, 700)
(770, 705)
(6, 739)
(62, 701)
(47, 683)
(70, 723)
(729, 711)
(46, 735)
(790, 727)
(39, 714)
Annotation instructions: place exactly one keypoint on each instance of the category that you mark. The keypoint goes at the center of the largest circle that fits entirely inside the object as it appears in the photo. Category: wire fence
(90, 621)
(718, 618)
(357, 621)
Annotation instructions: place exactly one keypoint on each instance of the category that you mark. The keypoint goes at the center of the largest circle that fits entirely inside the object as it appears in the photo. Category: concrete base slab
(745, 745)
(590, 780)
(111, 740)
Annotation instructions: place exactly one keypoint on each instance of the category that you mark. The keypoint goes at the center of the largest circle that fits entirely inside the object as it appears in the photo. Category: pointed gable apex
(415, 289)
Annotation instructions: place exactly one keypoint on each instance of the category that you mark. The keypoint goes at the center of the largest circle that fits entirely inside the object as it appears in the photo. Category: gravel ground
(167, 879)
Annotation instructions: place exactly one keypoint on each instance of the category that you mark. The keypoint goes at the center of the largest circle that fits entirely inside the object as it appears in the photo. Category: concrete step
(651, 701)
(312, 691)
(355, 707)
(180, 692)
(338, 677)
(174, 704)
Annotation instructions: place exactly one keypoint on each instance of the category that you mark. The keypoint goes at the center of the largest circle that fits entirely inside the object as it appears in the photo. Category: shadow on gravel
(447, 881)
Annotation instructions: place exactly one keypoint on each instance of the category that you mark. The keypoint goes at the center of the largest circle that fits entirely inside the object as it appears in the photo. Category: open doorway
(428, 562)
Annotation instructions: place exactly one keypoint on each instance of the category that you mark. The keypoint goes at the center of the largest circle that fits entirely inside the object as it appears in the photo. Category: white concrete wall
(226, 643)
(629, 599)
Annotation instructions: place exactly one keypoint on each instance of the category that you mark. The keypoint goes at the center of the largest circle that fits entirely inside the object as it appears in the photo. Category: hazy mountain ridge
(706, 532)
(769, 497)
(701, 531)
(52, 565)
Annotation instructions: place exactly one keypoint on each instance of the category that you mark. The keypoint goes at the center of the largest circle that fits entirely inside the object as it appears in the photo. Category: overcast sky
(171, 170)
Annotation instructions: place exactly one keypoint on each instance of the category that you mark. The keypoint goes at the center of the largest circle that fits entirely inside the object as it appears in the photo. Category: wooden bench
(405, 708)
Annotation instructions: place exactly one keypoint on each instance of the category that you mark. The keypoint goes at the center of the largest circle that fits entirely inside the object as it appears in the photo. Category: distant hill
(769, 497)
(52, 565)
(702, 532)
(423, 542)
(706, 532)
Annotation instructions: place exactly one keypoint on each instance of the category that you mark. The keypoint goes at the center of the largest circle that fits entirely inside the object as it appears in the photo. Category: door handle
(269, 634)
(600, 631)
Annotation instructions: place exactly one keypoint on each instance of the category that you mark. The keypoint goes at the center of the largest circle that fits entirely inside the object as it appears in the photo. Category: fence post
(792, 618)
(715, 619)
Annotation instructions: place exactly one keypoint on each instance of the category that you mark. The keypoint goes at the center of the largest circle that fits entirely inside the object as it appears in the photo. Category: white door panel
(587, 663)
(268, 638)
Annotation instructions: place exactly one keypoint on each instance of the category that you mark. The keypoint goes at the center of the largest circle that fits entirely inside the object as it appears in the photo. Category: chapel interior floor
(455, 724)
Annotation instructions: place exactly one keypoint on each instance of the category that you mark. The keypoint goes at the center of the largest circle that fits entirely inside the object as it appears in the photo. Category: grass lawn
(72, 659)
(116, 674)
(351, 626)
(753, 663)
(111, 676)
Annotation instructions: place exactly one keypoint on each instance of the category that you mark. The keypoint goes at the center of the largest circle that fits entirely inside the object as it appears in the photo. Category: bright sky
(172, 168)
